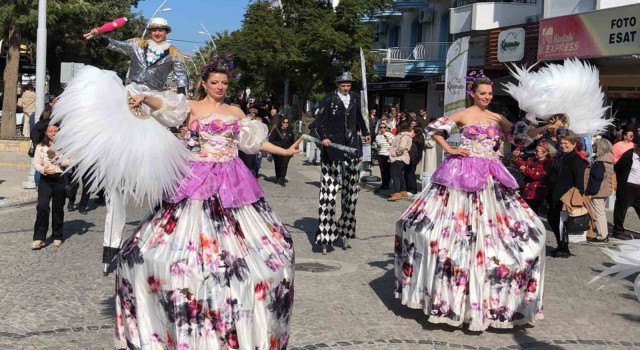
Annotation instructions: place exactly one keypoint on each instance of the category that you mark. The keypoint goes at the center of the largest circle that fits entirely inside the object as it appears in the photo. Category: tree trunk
(10, 97)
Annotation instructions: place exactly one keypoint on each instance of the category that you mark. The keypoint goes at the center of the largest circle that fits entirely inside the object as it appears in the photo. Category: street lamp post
(201, 56)
(206, 32)
(159, 9)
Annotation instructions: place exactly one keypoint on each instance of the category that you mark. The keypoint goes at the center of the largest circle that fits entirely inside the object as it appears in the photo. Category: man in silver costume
(151, 63)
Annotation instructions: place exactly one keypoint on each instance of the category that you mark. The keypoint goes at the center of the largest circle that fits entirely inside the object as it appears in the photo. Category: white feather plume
(118, 151)
(572, 88)
(627, 262)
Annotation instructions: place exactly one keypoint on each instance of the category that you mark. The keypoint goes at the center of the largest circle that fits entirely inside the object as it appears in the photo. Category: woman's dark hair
(282, 121)
(45, 138)
(46, 114)
(206, 73)
(403, 126)
(573, 139)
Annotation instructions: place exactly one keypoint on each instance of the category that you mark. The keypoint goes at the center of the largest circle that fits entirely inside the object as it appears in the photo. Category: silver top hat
(345, 77)
(159, 23)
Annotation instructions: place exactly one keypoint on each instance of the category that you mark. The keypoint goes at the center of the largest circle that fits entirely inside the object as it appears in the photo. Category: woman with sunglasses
(383, 141)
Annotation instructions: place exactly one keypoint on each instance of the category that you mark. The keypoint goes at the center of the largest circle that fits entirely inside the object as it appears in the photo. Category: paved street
(58, 299)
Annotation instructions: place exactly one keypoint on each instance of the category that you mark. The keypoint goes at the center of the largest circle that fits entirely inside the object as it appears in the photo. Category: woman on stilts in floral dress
(212, 268)
(469, 249)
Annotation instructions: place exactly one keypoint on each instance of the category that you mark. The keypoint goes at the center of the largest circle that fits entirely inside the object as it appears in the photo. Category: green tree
(307, 41)
(67, 20)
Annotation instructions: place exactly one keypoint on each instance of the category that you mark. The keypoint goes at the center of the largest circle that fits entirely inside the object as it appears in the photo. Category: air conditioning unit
(426, 15)
(532, 19)
(381, 28)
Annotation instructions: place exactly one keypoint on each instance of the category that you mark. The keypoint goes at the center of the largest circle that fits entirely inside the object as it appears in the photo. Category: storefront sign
(511, 45)
(611, 32)
(477, 51)
(455, 85)
(395, 70)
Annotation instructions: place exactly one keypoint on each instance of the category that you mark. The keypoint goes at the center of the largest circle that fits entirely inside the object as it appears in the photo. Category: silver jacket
(155, 75)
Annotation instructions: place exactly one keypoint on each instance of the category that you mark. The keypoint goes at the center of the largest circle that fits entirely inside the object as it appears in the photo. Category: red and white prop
(107, 27)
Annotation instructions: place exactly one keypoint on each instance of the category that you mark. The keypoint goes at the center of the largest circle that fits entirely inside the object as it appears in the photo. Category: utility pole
(41, 74)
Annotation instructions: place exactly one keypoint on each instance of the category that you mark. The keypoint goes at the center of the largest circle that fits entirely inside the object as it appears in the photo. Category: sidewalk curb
(17, 204)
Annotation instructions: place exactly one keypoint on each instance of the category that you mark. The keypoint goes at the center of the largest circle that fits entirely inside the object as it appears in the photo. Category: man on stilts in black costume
(339, 121)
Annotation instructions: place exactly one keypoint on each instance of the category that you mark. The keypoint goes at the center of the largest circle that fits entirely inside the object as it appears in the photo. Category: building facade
(606, 33)
(411, 44)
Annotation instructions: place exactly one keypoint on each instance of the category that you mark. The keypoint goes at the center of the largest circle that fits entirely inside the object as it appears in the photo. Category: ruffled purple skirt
(231, 180)
(470, 173)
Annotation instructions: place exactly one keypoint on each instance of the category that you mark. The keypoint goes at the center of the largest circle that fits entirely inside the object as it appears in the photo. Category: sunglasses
(383, 127)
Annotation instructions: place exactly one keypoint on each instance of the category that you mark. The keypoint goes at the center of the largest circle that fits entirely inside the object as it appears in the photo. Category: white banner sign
(511, 45)
(455, 86)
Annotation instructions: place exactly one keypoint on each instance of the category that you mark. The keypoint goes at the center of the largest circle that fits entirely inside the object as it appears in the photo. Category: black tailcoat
(340, 125)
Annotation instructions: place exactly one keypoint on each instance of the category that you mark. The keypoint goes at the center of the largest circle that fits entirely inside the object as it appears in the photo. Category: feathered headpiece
(572, 89)
(220, 62)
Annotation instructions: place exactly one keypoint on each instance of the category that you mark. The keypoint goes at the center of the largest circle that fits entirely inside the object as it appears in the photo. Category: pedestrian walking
(339, 120)
(282, 136)
(51, 192)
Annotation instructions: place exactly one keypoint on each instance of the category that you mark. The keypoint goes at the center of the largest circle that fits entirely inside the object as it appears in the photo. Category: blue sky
(186, 15)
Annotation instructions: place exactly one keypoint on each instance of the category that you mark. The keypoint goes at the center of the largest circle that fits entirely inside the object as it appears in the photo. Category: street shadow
(383, 287)
(314, 183)
(309, 226)
(525, 341)
(108, 306)
(630, 317)
(76, 227)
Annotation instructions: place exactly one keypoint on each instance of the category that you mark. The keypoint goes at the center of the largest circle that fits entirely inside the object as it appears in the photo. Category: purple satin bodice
(470, 173)
(216, 169)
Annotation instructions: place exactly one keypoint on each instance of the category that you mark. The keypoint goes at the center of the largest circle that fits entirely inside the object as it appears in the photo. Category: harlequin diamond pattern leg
(327, 227)
(350, 188)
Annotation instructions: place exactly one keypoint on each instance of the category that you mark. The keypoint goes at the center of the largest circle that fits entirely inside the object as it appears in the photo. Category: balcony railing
(421, 52)
(459, 3)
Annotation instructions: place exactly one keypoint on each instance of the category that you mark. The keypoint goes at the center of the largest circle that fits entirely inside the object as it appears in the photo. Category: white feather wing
(119, 151)
(572, 88)
(627, 263)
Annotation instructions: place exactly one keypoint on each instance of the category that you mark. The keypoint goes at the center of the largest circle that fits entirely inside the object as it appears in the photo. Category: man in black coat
(339, 121)
(627, 170)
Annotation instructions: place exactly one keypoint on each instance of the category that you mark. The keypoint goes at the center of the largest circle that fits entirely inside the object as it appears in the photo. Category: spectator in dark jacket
(282, 136)
(570, 174)
(415, 156)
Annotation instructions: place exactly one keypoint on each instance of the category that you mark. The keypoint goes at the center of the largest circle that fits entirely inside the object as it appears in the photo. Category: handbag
(576, 225)
(32, 150)
(579, 219)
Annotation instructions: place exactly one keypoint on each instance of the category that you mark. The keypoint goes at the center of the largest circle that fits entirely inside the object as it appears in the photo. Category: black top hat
(345, 78)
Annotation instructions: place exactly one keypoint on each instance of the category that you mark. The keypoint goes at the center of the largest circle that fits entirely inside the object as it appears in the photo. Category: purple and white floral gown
(213, 267)
(469, 249)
